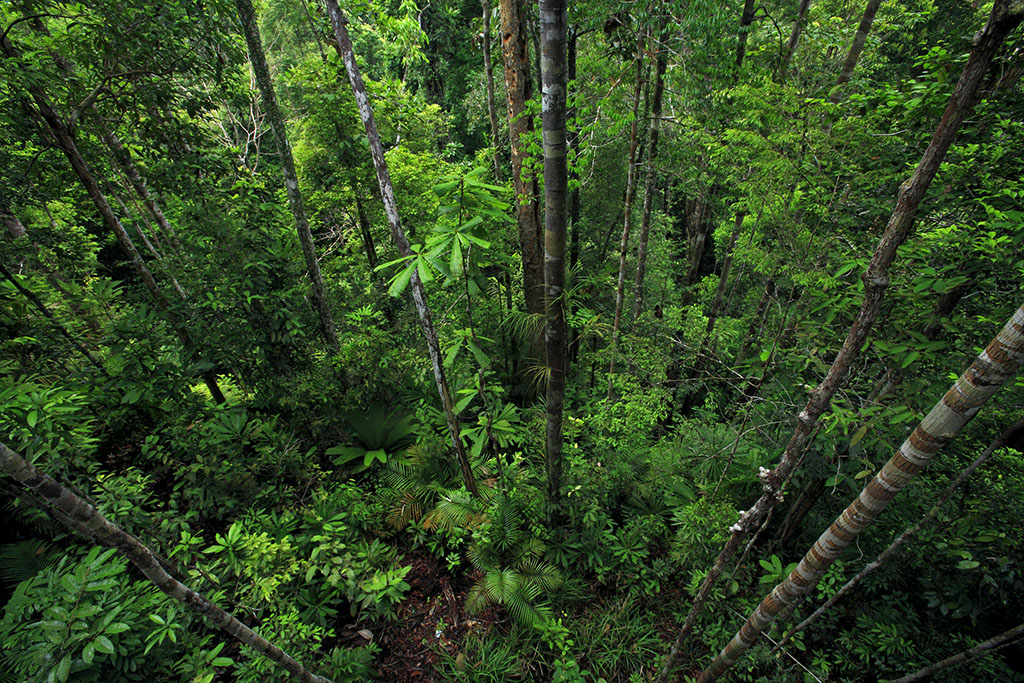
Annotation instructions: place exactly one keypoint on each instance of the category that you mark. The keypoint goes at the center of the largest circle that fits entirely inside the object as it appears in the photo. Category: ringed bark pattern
(996, 364)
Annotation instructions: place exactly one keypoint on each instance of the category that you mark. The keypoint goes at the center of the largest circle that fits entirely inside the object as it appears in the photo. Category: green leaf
(967, 564)
(88, 652)
(461, 405)
(401, 281)
(104, 645)
(116, 627)
(456, 260)
(222, 661)
(378, 454)
(32, 418)
(862, 474)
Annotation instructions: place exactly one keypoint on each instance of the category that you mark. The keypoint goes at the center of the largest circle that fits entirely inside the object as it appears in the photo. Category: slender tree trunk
(746, 19)
(387, 194)
(553, 93)
(755, 322)
(291, 180)
(66, 141)
(649, 189)
(489, 75)
(575, 238)
(908, 533)
(364, 230)
(627, 210)
(87, 521)
(856, 49)
(519, 87)
(794, 39)
(723, 277)
(31, 296)
(876, 282)
(15, 228)
(976, 652)
(994, 367)
(697, 228)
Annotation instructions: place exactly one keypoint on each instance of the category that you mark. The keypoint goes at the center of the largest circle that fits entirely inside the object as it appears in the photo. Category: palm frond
(23, 560)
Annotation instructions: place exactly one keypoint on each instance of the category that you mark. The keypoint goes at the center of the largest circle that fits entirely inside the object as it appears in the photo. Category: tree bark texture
(291, 180)
(649, 190)
(387, 193)
(627, 210)
(907, 533)
(794, 40)
(519, 86)
(876, 282)
(86, 520)
(856, 49)
(15, 228)
(553, 16)
(746, 19)
(979, 650)
(996, 364)
(492, 114)
(723, 276)
(64, 138)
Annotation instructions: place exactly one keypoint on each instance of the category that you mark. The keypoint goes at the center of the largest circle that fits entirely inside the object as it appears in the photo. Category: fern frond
(456, 509)
(541, 574)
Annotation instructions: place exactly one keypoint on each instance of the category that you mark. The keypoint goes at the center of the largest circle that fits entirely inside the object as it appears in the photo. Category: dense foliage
(180, 377)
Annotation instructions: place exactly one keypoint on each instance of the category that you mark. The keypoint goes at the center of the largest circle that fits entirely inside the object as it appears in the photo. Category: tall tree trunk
(976, 652)
(519, 87)
(364, 229)
(876, 282)
(492, 114)
(908, 533)
(575, 238)
(994, 367)
(64, 139)
(15, 228)
(387, 194)
(87, 521)
(746, 19)
(856, 49)
(794, 39)
(697, 228)
(553, 15)
(723, 276)
(291, 180)
(627, 210)
(649, 190)
(755, 322)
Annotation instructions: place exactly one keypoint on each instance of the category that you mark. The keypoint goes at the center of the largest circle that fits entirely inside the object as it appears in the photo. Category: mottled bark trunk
(291, 180)
(66, 141)
(794, 40)
(556, 178)
(627, 210)
(387, 194)
(976, 652)
(492, 114)
(14, 226)
(994, 367)
(856, 49)
(649, 189)
(908, 533)
(876, 282)
(519, 87)
(87, 521)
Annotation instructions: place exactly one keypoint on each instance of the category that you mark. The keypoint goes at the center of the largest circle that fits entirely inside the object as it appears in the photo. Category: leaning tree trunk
(907, 534)
(291, 180)
(489, 75)
(652, 157)
(627, 210)
(794, 39)
(994, 367)
(15, 228)
(856, 49)
(746, 19)
(519, 88)
(387, 193)
(65, 139)
(876, 282)
(86, 520)
(553, 16)
(976, 652)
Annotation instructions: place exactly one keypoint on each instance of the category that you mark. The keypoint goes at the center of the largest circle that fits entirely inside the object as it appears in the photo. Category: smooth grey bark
(65, 140)
(997, 364)
(553, 28)
(489, 76)
(907, 534)
(794, 39)
(87, 521)
(856, 49)
(247, 15)
(387, 193)
(627, 210)
(1006, 15)
(976, 652)
(649, 190)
